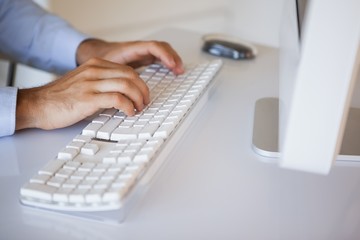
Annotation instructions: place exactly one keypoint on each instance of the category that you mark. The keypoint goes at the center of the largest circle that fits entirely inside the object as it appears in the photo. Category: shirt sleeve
(7, 110)
(33, 36)
(30, 35)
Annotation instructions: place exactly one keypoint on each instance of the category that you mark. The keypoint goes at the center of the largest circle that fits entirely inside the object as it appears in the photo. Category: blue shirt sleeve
(7, 110)
(32, 36)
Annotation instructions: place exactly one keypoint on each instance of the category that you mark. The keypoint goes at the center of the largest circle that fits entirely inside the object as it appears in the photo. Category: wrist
(90, 48)
(26, 109)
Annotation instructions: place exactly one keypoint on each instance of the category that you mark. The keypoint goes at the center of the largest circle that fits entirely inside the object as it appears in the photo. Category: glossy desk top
(213, 186)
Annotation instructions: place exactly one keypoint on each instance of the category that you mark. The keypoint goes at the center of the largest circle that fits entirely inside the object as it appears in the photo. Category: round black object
(228, 49)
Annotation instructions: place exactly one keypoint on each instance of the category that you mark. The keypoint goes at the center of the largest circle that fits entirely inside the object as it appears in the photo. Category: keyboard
(99, 168)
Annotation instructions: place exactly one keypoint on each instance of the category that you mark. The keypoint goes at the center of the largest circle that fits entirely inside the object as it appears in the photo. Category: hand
(134, 54)
(82, 92)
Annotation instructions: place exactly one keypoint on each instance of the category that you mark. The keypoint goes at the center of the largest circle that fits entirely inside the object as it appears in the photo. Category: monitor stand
(266, 127)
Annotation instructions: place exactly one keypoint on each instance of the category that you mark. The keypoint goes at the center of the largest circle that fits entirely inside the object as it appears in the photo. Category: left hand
(134, 54)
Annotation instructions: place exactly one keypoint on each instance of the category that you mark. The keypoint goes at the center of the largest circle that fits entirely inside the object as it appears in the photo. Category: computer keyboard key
(119, 115)
(78, 195)
(144, 156)
(62, 195)
(109, 112)
(75, 144)
(55, 181)
(138, 167)
(94, 176)
(118, 184)
(86, 184)
(114, 194)
(100, 167)
(82, 138)
(126, 157)
(71, 183)
(89, 149)
(116, 167)
(86, 167)
(71, 165)
(51, 167)
(132, 149)
(94, 196)
(91, 129)
(148, 131)
(154, 143)
(111, 157)
(105, 131)
(39, 178)
(102, 184)
(68, 154)
(164, 131)
(125, 134)
(38, 191)
(109, 175)
(64, 173)
(79, 175)
(101, 119)
(126, 124)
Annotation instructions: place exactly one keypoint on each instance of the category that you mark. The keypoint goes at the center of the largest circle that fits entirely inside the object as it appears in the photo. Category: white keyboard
(99, 168)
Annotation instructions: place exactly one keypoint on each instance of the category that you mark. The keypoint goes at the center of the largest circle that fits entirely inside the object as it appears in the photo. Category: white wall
(254, 20)
(129, 19)
(257, 20)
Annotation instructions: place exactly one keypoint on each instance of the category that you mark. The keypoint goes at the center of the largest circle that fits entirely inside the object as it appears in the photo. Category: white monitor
(319, 59)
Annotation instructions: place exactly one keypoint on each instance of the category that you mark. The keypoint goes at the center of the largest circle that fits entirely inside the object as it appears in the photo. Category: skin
(105, 78)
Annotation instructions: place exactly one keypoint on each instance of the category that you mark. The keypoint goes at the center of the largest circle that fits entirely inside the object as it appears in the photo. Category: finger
(97, 68)
(102, 69)
(162, 51)
(143, 62)
(124, 86)
(95, 61)
(115, 100)
(178, 67)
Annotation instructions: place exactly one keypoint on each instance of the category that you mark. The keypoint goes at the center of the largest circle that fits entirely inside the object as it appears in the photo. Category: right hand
(80, 93)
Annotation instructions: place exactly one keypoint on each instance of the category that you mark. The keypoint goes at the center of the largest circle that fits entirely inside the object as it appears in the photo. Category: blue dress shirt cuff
(8, 97)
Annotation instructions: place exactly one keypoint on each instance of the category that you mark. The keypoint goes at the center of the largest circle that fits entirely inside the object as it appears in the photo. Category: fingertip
(171, 63)
(176, 67)
(130, 112)
(180, 69)
(140, 108)
(146, 101)
(147, 95)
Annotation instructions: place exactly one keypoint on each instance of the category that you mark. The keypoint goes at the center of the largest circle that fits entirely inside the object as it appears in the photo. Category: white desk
(213, 185)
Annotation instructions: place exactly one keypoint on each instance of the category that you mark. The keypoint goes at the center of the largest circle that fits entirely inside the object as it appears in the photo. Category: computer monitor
(311, 123)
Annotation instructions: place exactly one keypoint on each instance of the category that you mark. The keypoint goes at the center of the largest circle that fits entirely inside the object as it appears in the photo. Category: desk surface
(213, 185)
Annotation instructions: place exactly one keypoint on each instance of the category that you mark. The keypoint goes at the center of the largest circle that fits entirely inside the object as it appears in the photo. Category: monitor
(315, 120)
